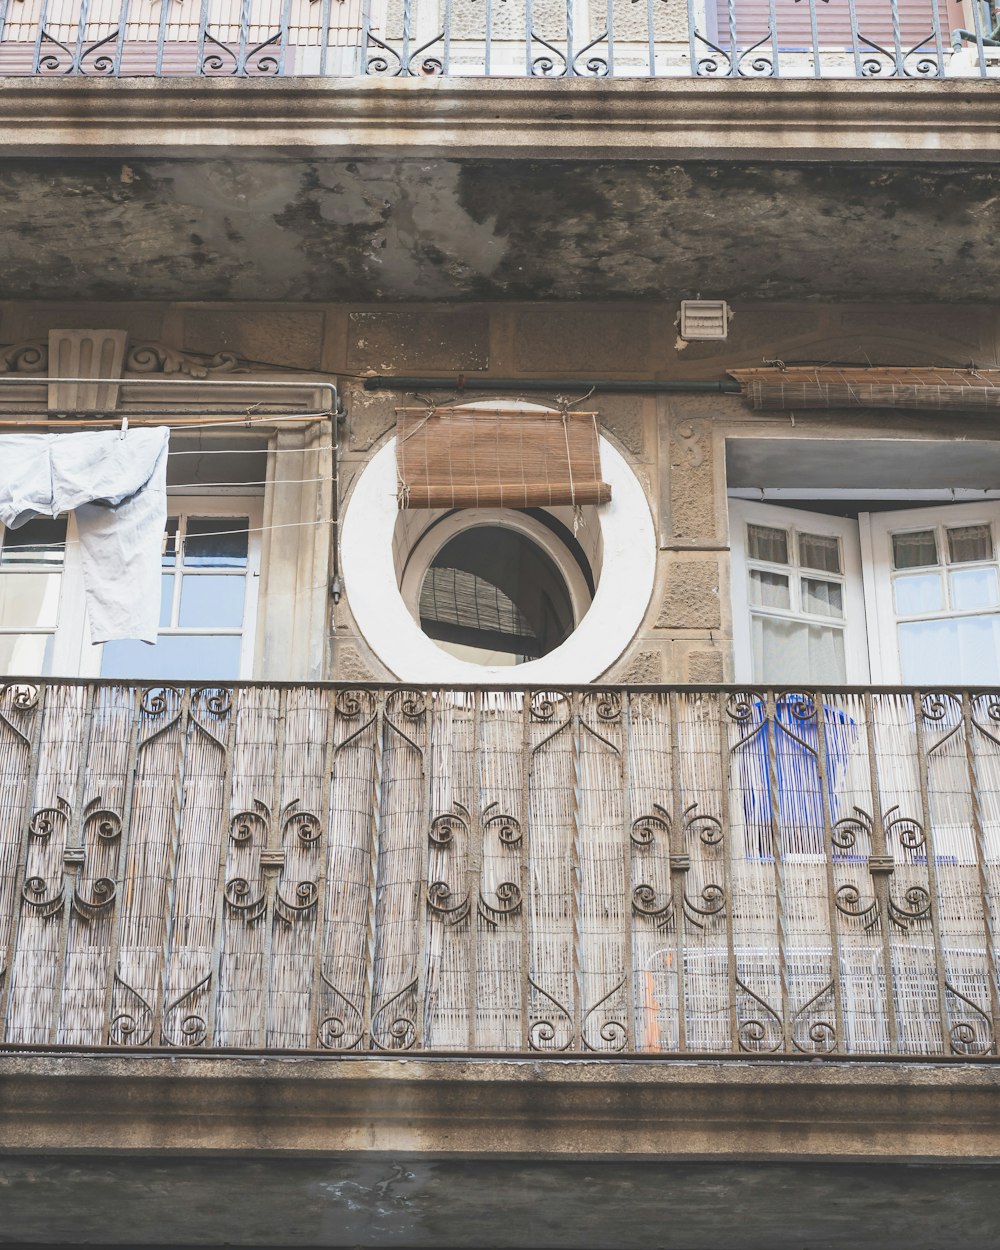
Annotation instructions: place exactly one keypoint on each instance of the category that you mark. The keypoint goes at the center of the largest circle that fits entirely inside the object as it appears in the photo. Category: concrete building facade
(680, 932)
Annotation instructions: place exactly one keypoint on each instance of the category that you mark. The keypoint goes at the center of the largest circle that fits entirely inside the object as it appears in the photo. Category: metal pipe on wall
(600, 386)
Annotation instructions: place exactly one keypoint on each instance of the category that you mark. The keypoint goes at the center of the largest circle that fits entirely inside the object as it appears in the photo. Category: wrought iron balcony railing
(610, 871)
(548, 38)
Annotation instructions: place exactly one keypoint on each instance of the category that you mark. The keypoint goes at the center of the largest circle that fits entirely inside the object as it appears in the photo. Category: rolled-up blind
(870, 386)
(476, 457)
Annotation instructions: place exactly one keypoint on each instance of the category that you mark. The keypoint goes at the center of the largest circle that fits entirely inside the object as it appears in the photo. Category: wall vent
(704, 319)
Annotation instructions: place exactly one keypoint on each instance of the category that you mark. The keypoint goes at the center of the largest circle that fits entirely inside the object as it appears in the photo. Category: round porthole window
(494, 586)
(491, 596)
(497, 595)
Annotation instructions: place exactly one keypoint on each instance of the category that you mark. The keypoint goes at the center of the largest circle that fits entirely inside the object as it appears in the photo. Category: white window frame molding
(743, 512)
(421, 556)
(876, 537)
(387, 625)
(83, 658)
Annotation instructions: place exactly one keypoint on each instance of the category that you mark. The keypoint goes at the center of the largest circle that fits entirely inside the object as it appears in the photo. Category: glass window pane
(170, 542)
(914, 551)
(769, 590)
(166, 599)
(29, 600)
(958, 651)
(493, 589)
(765, 543)
(820, 551)
(974, 588)
(211, 602)
(36, 542)
(970, 542)
(793, 651)
(217, 542)
(822, 598)
(25, 655)
(921, 592)
(202, 658)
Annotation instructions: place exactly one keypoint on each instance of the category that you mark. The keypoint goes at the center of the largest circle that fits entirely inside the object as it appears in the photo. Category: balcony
(900, 39)
(611, 872)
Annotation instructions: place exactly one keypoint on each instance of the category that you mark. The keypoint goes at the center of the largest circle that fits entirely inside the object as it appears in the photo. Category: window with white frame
(210, 566)
(31, 584)
(906, 596)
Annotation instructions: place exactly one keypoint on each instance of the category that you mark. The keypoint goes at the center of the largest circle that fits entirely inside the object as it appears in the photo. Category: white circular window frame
(427, 546)
(384, 621)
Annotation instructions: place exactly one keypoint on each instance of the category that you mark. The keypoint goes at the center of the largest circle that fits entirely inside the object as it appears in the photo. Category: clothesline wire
(278, 481)
(248, 451)
(252, 529)
(238, 420)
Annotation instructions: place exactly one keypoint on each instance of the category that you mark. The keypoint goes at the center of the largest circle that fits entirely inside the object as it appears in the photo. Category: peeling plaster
(412, 229)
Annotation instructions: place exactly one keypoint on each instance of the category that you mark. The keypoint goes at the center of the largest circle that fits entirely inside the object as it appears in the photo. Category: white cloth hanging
(117, 487)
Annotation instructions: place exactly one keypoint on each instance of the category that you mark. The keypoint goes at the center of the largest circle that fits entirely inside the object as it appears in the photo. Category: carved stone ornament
(32, 356)
(27, 357)
(159, 358)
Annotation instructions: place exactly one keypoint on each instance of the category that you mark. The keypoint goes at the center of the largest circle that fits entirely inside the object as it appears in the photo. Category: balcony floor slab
(511, 1153)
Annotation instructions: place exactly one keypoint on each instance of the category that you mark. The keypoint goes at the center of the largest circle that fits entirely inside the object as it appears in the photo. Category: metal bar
(726, 757)
(879, 884)
(826, 798)
(675, 880)
(202, 32)
(27, 806)
(324, 37)
(81, 37)
(215, 983)
(630, 970)
(814, 31)
(36, 64)
(524, 879)
(161, 36)
(771, 742)
(120, 41)
(404, 62)
(74, 843)
(241, 62)
(897, 42)
(460, 382)
(855, 34)
(772, 18)
(128, 799)
(4, 6)
(989, 901)
(473, 878)
(940, 965)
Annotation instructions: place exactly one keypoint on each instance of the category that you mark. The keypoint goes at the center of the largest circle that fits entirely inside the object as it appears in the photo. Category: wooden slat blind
(807, 386)
(475, 457)
(793, 25)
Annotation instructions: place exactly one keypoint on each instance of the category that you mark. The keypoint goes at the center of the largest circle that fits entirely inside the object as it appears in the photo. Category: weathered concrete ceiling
(442, 229)
(411, 1202)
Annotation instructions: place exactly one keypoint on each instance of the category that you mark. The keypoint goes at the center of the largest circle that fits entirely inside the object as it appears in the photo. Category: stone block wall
(675, 443)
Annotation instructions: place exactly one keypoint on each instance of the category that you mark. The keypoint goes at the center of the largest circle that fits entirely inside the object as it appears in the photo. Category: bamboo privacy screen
(476, 457)
(603, 871)
(860, 386)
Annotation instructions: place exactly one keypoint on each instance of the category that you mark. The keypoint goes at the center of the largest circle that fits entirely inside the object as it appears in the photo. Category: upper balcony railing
(605, 871)
(881, 39)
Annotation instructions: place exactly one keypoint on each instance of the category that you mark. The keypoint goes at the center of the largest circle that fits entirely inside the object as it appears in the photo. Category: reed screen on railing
(612, 871)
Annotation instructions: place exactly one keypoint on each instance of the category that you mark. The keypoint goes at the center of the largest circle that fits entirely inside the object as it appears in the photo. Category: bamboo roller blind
(808, 386)
(477, 457)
